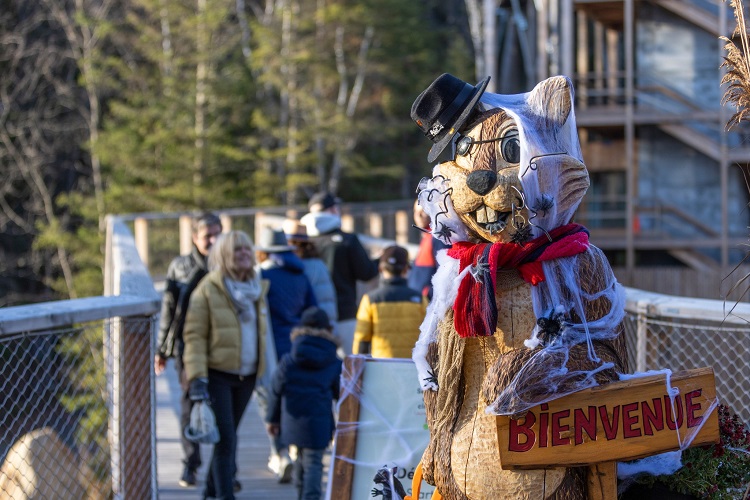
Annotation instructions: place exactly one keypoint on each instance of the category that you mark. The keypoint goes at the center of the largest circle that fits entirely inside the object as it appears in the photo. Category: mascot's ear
(551, 100)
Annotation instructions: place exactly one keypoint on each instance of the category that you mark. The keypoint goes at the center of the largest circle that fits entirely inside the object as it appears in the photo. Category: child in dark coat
(305, 383)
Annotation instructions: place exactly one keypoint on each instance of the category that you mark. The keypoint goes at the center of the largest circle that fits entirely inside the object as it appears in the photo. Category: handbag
(202, 427)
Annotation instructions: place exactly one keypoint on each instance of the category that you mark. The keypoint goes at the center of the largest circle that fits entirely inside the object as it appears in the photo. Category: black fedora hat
(443, 107)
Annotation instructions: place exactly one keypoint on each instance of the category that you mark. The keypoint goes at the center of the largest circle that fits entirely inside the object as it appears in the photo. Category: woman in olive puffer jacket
(225, 335)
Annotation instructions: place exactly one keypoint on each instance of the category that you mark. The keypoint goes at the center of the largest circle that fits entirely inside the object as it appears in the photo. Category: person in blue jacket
(303, 388)
(289, 294)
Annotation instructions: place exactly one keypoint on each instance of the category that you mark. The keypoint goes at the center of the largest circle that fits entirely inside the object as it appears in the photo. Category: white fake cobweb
(545, 145)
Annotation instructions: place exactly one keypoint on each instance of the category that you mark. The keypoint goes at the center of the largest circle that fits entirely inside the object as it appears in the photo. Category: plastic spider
(480, 269)
(544, 203)
(550, 327)
(521, 234)
(443, 232)
(432, 378)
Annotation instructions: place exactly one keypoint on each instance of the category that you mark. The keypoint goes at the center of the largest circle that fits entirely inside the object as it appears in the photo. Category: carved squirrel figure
(525, 309)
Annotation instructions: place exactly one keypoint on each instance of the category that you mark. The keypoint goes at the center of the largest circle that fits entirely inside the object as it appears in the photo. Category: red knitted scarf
(475, 310)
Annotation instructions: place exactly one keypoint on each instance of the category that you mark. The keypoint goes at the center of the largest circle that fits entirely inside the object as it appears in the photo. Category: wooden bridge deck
(258, 482)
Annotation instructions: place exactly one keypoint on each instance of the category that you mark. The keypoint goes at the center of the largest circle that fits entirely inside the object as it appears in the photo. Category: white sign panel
(390, 427)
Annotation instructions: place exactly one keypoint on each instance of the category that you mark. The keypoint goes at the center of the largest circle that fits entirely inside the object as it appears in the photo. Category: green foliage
(719, 471)
(196, 112)
(321, 58)
(80, 240)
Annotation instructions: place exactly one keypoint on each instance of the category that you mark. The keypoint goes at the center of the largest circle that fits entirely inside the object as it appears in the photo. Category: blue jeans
(308, 473)
(230, 395)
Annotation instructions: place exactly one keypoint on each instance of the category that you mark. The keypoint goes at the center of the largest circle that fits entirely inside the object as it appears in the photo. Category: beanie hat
(315, 317)
(325, 199)
(394, 259)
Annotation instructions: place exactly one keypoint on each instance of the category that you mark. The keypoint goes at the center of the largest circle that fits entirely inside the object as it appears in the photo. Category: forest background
(121, 106)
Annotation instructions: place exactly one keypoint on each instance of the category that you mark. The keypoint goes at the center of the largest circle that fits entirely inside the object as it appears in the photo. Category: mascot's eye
(510, 147)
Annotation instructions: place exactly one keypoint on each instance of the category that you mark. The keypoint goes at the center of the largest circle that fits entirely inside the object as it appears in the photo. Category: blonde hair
(221, 256)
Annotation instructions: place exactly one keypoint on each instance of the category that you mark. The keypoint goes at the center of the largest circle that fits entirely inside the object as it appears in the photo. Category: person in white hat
(315, 269)
(289, 294)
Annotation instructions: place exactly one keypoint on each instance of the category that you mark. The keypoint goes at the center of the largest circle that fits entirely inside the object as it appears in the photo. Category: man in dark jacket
(346, 259)
(304, 386)
(183, 275)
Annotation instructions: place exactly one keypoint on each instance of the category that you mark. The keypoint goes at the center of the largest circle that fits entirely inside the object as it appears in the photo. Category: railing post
(140, 228)
(186, 234)
(129, 354)
(258, 224)
(226, 223)
(347, 223)
(641, 344)
(375, 221)
(133, 416)
(402, 227)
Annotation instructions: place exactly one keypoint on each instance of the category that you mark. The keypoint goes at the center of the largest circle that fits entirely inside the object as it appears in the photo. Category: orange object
(416, 486)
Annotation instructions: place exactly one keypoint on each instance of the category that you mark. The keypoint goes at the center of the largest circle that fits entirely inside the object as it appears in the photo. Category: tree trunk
(201, 75)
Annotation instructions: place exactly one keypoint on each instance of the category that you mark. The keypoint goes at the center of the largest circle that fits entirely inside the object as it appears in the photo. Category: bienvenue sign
(620, 421)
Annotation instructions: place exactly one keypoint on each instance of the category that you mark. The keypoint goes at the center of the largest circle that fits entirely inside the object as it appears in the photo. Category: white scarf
(244, 295)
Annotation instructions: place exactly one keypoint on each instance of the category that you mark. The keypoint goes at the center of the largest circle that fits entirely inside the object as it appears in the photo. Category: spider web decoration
(434, 196)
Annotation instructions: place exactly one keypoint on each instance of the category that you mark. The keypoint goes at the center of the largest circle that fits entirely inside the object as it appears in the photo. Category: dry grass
(737, 62)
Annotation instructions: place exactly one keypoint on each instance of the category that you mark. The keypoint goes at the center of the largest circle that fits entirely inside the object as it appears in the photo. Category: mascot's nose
(481, 181)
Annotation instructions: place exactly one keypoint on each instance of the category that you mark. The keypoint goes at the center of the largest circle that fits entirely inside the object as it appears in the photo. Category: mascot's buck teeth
(485, 214)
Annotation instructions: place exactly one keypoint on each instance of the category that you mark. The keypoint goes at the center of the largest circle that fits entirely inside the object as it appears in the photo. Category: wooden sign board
(382, 422)
(624, 420)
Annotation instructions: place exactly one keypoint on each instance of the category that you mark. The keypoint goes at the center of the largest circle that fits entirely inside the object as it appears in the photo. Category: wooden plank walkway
(258, 482)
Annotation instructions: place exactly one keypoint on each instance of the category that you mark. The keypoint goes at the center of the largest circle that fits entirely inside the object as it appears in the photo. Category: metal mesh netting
(655, 344)
(69, 397)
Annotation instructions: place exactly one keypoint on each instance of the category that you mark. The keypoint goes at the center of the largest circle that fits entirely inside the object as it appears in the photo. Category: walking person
(315, 269)
(425, 263)
(344, 256)
(289, 294)
(225, 335)
(304, 386)
(183, 275)
(389, 317)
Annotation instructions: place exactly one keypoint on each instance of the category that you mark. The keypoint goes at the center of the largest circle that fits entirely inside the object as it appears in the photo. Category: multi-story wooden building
(667, 184)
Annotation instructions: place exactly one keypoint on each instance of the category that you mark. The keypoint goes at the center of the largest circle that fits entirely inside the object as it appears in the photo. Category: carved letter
(629, 421)
(610, 426)
(655, 417)
(691, 407)
(517, 429)
(557, 440)
(581, 423)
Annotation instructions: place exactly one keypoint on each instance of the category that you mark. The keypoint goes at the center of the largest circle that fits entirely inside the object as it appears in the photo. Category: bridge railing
(77, 388)
(161, 236)
(680, 333)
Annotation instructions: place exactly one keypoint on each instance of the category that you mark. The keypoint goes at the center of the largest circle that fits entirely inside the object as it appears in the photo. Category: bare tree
(82, 21)
(40, 128)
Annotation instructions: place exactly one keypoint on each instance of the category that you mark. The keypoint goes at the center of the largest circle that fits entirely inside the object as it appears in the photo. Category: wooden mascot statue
(525, 310)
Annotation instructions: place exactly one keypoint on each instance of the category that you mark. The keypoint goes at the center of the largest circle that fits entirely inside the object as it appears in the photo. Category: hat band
(448, 113)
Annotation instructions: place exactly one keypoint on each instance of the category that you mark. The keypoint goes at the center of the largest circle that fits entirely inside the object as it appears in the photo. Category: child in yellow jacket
(388, 318)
